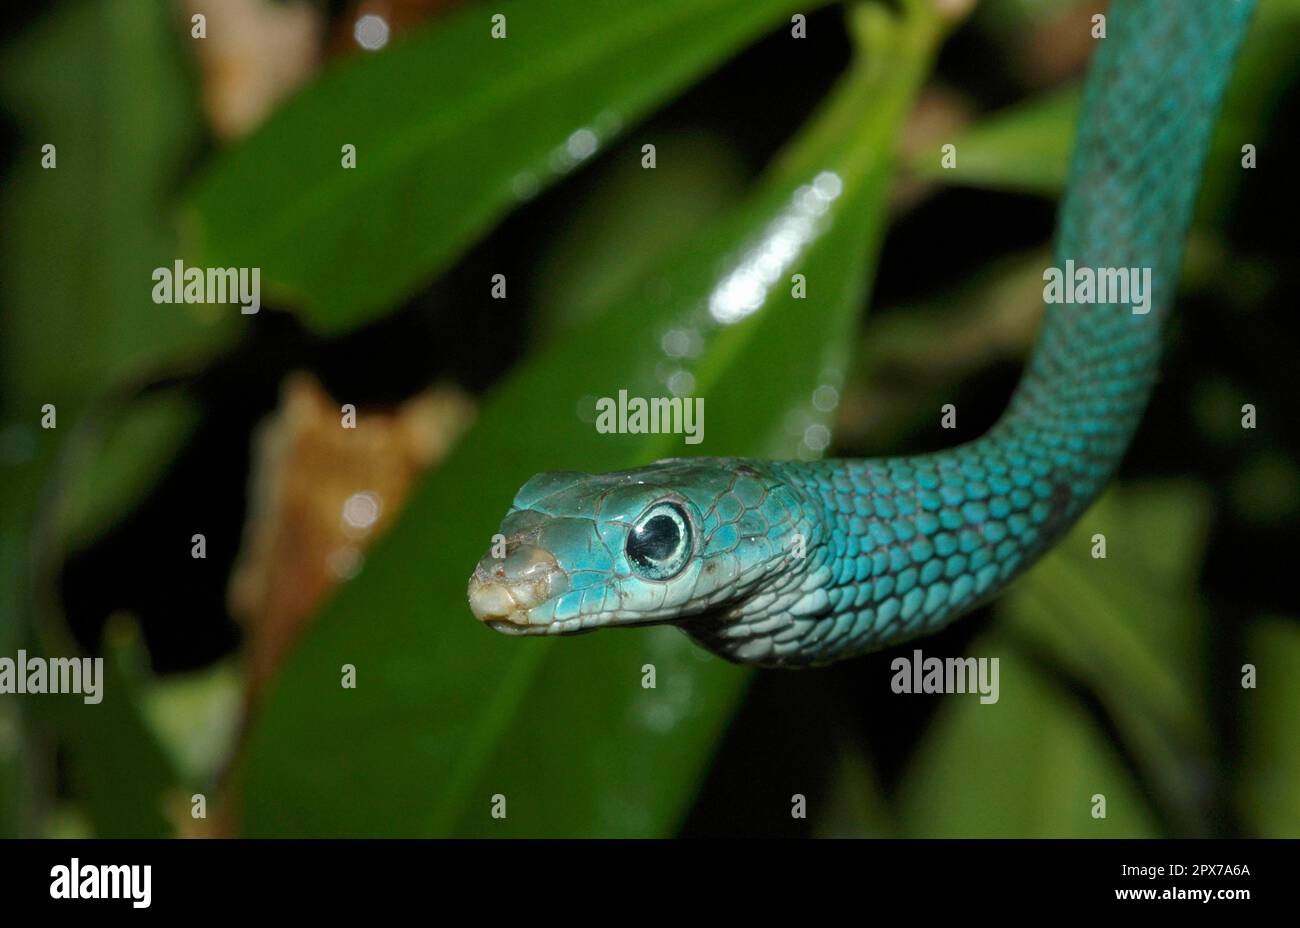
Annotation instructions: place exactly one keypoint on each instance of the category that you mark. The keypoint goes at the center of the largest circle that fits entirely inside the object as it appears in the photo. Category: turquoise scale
(945, 531)
(900, 547)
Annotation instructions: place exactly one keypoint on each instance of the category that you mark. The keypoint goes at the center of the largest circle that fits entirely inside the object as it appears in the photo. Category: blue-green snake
(789, 563)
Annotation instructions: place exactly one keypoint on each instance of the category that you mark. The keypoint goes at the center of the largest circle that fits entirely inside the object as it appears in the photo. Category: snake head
(670, 542)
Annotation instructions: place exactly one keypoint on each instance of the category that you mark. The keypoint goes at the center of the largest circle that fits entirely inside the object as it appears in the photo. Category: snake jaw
(504, 591)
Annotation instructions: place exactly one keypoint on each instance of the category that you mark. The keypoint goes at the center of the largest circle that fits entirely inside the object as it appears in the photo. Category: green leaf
(77, 282)
(910, 361)
(82, 239)
(15, 785)
(1028, 765)
(855, 805)
(452, 129)
(1133, 628)
(447, 714)
(1269, 784)
(1263, 77)
(1025, 148)
(196, 718)
(116, 765)
(631, 219)
(122, 458)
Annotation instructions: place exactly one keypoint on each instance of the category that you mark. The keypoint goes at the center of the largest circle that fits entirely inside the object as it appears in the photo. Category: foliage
(1110, 677)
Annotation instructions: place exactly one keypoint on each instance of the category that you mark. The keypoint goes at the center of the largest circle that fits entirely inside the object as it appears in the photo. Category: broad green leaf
(447, 714)
(452, 128)
(76, 274)
(1269, 770)
(1028, 765)
(631, 219)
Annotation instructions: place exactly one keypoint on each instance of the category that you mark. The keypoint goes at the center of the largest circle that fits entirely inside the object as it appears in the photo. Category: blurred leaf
(76, 284)
(1026, 148)
(855, 806)
(1265, 70)
(1269, 791)
(116, 766)
(1025, 766)
(15, 790)
(1129, 622)
(452, 129)
(67, 820)
(196, 718)
(1133, 627)
(446, 713)
(122, 460)
(1266, 488)
(15, 730)
(912, 358)
(629, 220)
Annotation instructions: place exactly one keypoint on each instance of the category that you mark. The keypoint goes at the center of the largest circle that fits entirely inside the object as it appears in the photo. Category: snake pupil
(657, 545)
(657, 539)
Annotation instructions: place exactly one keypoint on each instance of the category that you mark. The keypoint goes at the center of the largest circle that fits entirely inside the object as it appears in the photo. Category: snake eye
(659, 544)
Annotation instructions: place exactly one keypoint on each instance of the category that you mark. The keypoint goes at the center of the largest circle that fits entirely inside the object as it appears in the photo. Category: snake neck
(902, 546)
(1149, 107)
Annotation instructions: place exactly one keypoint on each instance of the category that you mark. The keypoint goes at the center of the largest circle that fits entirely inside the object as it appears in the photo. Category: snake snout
(503, 590)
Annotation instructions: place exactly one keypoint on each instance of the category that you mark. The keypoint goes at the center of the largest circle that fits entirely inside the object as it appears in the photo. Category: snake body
(788, 563)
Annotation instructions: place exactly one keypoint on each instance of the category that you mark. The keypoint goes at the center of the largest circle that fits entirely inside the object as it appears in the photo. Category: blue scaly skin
(784, 563)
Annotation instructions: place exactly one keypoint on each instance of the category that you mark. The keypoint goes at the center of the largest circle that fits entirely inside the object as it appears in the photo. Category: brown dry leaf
(255, 54)
(320, 494)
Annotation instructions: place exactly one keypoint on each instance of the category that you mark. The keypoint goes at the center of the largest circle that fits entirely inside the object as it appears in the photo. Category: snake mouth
(503, 592)
(505, 605)
(511, 627)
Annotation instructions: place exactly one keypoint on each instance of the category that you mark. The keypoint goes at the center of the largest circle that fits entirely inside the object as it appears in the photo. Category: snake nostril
(529, 562)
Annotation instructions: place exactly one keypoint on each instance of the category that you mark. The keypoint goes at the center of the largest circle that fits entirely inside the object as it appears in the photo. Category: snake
(805, 562)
